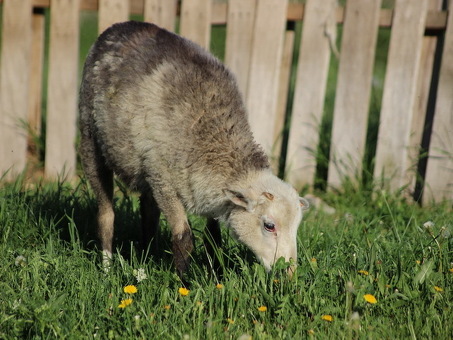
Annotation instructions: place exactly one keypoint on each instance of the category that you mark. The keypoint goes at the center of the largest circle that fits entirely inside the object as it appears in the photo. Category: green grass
(52, 284)
(58, 290)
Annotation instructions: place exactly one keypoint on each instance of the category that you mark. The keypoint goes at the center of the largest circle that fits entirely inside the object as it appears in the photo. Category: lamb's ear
(304, 203)
(241, 199)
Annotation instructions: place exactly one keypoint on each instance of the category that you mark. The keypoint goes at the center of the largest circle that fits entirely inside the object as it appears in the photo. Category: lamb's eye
(269, 226)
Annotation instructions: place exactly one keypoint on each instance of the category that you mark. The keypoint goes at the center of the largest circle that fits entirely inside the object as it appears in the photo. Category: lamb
(167, 118)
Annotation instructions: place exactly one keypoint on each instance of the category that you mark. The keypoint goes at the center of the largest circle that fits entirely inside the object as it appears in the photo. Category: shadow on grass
(69, 211)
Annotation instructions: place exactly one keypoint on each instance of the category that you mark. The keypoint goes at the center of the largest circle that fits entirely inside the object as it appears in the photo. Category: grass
(52, 286)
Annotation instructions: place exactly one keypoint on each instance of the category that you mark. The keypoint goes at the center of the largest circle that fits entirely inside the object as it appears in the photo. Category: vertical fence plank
(62, 88)
(421, 99)
(282, 97)
(266, 58)
(35, 101)
(111, 12)
(161, 13)
(313, 65)
(352, 96)
(14, 84)
(392, 154)
(439, 172)
(240, 22)
(196, 21)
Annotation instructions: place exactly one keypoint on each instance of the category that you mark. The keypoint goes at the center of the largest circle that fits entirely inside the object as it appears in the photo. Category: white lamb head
(265, 217)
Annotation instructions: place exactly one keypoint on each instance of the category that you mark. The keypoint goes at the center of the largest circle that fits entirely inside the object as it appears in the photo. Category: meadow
(377, 268)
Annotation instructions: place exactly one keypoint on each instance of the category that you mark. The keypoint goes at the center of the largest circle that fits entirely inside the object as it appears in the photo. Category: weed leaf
(425, 271)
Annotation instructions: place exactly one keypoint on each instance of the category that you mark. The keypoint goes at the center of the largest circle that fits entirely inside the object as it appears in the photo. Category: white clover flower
(428, 224)
(445, 232)
(355, 316)
(245, 336)
(355, 321)
(140, 274)
(20, 261)
(17, 303)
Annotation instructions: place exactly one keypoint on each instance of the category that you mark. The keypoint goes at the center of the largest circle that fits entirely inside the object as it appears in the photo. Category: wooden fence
(417, 94)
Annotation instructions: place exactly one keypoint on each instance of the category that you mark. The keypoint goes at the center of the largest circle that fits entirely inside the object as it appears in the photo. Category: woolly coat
(165, 112)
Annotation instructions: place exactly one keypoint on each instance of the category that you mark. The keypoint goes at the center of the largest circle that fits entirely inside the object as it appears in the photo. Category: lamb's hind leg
(101, 180)
(213, 242)
(150, 214)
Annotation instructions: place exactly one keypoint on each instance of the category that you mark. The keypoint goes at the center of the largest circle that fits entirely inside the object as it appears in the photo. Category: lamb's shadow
(72, 210)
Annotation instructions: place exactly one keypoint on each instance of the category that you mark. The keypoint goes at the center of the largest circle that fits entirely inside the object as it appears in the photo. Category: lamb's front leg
(182, 238)
(182, 244)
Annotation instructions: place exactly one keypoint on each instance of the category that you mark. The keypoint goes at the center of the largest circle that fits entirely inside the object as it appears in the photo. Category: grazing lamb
(167, 118)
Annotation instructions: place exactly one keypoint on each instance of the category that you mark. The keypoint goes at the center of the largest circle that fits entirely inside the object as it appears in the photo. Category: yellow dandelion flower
(230, 321)
(130, 289)
(183, 291)
(363, 272)
(167, 307)
(276, 281)
(125, 303)
(417, 262)
(370, 298)
(313, 259)
(262, 308)
(451, 270)
(219, 286)
(438, 289)
(327, 317)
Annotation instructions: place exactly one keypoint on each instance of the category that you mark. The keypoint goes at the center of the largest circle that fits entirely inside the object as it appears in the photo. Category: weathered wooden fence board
(34, 110)
(112, 11)
(196, 21)
(309, 94)
(161, 13)
(267, 49)
(439, 172)
(392, 154)
(352, 97)
(421, 99)
(282, 97)
(62, 88)
(14, 86)
(241, 20)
